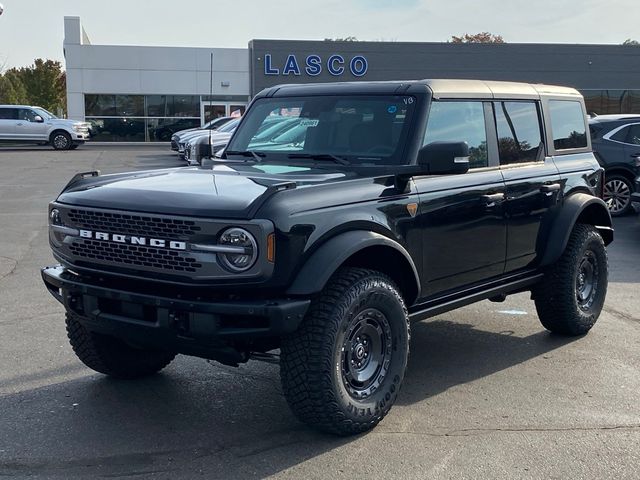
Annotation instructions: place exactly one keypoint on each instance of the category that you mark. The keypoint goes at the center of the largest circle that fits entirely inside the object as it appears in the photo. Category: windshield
(229, 126)
(44, 113)
(359, 129)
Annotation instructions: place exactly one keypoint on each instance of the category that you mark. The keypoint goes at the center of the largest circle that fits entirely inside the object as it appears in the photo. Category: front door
(27, 128)
(462, 216)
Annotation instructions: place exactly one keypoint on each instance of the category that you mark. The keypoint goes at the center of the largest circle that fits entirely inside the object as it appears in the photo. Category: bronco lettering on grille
(152, 242)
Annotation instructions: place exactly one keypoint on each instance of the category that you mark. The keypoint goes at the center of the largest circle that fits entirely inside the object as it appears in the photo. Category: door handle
(635, 155)
(550, 188)
(492, 199)
(20, 124)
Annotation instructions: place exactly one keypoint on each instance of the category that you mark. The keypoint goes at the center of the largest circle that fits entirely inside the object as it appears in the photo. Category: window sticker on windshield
(392, 109)
(309, 122)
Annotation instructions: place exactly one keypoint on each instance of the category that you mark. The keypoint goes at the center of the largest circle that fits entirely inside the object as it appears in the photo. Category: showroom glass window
(518, 129)
(459, 122)
(567, 124)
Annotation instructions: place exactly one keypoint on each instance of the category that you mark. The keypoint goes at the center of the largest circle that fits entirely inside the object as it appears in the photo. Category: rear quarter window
(568, 124)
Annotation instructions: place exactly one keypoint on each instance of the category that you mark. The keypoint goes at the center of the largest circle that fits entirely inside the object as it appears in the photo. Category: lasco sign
(312, 65)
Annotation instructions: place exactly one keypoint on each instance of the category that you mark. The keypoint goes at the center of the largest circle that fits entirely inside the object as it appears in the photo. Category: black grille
(135, 255)
(138, 225)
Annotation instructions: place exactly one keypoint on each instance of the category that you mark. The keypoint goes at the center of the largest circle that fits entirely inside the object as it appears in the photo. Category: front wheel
(111, 356)
(342, 369)
(60, 140)
(570, 297)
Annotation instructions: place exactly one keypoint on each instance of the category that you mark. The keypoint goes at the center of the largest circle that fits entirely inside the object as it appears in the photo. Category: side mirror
(38, 119)
(444, 158)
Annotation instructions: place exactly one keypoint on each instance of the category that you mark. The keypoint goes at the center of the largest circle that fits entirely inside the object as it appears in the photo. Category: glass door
(211, 111)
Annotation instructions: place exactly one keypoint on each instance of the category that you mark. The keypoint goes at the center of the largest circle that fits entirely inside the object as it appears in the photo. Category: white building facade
(135, 93)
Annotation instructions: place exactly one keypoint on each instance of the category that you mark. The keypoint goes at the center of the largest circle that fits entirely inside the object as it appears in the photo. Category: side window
(621, 135)
(567, 124)
(633, 136)
(518, 128)
(26, 114)
(459, 122)
(8, 113)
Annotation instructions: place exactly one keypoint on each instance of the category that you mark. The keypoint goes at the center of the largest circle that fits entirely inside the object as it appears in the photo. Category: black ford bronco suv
(374, 204)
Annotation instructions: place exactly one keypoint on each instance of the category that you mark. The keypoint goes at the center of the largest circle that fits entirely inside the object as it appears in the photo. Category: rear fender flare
(576, 208)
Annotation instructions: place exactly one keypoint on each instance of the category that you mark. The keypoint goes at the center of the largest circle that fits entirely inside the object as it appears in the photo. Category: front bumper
(177, 322)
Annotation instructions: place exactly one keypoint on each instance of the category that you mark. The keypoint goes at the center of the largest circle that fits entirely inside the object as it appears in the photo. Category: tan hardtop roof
(443, 88)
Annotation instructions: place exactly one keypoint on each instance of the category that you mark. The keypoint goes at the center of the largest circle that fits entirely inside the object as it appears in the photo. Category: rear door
(8, 120)
(461, 216)
(531, 177)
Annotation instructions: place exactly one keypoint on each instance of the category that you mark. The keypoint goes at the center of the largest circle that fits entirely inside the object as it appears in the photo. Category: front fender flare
(323, 263)
(578, 207)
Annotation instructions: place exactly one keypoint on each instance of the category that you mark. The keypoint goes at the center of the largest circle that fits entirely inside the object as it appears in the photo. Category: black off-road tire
(318, 362)
(559, 296)
(60, 140)
(112, 356)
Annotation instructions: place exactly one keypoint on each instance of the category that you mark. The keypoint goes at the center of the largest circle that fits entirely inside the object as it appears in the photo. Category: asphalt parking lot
(488, 392)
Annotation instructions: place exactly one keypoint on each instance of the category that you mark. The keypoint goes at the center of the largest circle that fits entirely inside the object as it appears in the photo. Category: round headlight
(242, 251)
(55, 217)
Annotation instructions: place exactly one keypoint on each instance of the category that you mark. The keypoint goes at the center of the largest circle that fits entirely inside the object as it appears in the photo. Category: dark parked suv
(402, 200)
(616, 144)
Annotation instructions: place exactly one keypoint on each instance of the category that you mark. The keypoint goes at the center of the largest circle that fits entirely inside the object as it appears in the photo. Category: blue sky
(34, 28)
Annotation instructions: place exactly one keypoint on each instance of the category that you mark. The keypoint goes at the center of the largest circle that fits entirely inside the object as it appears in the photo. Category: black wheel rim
(617, 195)
(587, 280)
(366, 353)
(60, 141)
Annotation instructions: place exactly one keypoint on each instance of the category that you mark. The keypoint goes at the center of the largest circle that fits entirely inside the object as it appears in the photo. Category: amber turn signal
(271, 247)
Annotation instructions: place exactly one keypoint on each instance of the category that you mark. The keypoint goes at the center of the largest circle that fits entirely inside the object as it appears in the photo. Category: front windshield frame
(399, 122)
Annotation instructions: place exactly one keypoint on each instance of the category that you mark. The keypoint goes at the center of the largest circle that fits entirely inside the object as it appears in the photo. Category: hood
(224, 191)
(65, 122)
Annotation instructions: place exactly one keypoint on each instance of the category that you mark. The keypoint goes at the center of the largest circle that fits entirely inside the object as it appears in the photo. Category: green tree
(43, 83)
(12, 90)
(482, 37)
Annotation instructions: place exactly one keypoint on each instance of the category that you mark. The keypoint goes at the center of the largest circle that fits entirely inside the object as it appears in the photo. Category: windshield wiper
(257, 156)
(320, 156)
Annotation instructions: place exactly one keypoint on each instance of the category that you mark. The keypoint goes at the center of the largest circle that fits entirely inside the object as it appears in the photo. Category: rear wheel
(342, 370)
(570, 297)
(60, 140)
(112, 356)
(617, 194)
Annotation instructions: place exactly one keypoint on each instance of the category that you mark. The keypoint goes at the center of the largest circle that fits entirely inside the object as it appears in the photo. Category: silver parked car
(24, 123)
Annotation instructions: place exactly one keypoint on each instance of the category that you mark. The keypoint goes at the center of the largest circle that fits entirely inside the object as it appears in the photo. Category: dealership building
(141, 93)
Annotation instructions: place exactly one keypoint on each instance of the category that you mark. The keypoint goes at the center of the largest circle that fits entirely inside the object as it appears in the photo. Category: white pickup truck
(22, 123)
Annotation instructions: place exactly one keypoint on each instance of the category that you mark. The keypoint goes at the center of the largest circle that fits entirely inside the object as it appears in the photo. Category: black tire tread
(111, 356)
(305, 360)
(554, 296)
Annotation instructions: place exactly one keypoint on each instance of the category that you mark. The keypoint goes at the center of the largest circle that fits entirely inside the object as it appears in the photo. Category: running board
(438, 306)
